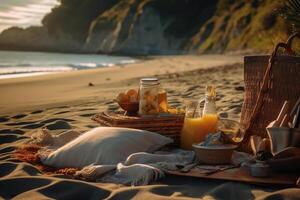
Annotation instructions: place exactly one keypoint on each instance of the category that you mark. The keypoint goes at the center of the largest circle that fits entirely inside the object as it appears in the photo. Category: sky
(23, 13)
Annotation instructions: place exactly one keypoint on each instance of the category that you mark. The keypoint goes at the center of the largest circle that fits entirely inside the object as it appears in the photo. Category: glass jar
(162, 100)
(149, 96)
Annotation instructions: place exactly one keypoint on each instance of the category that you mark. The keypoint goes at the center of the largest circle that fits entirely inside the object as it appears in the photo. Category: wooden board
(242, 175)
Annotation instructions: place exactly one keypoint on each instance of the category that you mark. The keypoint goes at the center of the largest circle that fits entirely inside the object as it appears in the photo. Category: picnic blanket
(20, 180)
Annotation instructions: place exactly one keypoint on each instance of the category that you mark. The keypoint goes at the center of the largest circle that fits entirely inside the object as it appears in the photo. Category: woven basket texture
(167, 125)
(284, 85)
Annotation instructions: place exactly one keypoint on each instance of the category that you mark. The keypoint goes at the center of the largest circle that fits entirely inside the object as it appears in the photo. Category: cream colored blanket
(139, 168)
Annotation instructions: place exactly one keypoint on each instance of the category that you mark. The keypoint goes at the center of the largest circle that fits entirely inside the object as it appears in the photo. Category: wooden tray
(169, 125)
(242, 175)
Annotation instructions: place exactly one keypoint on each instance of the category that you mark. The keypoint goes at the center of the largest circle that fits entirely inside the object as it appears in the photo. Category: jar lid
(149, 81)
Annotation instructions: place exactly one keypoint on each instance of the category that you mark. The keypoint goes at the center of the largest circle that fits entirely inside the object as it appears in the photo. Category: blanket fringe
(29, 153)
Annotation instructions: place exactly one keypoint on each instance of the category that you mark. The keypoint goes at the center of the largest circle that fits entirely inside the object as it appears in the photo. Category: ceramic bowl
(214, 155)
(131, 107)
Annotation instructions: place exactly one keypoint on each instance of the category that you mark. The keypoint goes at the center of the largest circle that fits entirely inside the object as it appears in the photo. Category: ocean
(18, 64)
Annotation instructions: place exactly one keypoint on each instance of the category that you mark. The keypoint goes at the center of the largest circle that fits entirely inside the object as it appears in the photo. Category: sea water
(19, 64)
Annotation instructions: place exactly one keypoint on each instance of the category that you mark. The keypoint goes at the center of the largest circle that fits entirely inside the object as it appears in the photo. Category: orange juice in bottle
(209, 114)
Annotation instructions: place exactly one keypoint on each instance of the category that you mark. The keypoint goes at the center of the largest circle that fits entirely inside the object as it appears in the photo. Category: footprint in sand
(223, 115)
(91, 126)
(36, 112)
(8, 138)
(233, 106)
(6, 168)
(170, 91)
(87, 109)
(218, 98)
(113, 107)
(62, 112)
(192, 88)
(220, 95)
(60, 107)
(237, 110)
(33, 126)
(19, 116)
(240, 88)
(56, 119)
(174, 101)
(21, 123)
(109, 102)
(87, 115)
(4, 119)
(60, 124)
(7, 149)
(187, 94)
(8, 131)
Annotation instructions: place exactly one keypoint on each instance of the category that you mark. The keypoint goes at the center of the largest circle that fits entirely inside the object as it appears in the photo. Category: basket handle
(265, 84)
(289, 43)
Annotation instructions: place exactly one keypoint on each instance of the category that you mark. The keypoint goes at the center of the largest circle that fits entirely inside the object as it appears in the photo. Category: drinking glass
(196, 126)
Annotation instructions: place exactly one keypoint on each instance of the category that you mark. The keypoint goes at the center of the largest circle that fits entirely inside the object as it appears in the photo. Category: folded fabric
(139, 168)
(103, 146)
(44, 137)
(133, 167)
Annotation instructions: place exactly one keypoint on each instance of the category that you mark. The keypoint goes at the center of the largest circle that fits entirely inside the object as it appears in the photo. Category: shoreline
(23, 64)
(25, 74)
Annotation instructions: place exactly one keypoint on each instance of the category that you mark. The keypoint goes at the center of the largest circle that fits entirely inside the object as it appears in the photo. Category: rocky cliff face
(37, 39)
(135, 26)
(143, 27)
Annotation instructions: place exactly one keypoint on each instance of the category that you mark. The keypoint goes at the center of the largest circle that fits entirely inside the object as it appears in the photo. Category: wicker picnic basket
(269, 81)
(167, 125)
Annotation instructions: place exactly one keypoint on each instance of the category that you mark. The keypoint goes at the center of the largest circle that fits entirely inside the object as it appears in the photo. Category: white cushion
(105, 146)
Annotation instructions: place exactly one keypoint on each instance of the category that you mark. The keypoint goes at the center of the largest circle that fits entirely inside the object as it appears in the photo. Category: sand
(66, 101)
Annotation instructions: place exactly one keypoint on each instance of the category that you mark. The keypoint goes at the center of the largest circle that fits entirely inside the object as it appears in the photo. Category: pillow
(104, 146)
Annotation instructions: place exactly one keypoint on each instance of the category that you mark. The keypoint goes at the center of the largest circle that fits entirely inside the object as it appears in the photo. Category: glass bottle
(149, 96)
(209, 114)
(210, 101)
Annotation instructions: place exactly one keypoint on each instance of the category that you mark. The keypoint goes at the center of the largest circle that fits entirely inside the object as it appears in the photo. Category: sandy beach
(68, 96)
(30, 92)
(67, 101)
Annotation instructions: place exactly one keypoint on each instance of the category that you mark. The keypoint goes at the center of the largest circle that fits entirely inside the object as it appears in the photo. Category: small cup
(259, 170)
(282, 138)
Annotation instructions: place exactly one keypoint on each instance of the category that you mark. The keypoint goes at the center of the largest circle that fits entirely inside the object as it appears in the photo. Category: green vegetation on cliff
(242, 25)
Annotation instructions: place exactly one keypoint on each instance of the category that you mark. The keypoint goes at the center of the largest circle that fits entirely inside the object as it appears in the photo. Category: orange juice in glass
(198, 124)
(207, 124)
(190, 131)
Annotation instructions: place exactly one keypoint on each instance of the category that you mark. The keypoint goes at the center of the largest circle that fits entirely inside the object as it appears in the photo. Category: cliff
(37, 39)
(143, 27)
